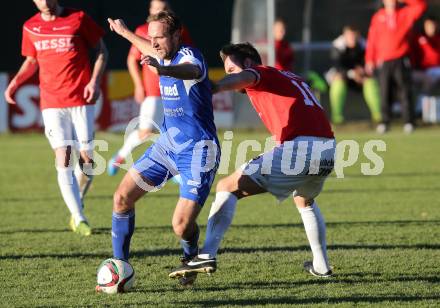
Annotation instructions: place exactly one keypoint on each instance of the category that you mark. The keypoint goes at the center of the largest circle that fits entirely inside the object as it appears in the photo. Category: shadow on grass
(289, 285)
(242, 226)
(108, 197)
(160, 252)
(375, 190)
(162, 195)
(392, 175)
(317, 300)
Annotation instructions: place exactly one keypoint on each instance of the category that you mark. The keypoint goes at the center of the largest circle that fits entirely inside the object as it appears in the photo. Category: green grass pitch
(383, 236)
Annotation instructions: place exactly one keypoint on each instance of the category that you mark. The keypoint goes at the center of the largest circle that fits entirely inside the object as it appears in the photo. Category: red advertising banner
(114, 109)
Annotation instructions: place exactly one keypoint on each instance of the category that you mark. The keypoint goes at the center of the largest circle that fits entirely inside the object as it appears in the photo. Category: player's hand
(369, 69)
(139, 94)
(359, 74)
(91, 92)
(153, 64)
(118, 26)
(10, 90)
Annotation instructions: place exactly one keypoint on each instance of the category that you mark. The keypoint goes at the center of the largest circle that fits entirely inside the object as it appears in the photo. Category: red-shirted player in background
(146, 92)
(425, 56)
(388, 49)
(298, 165)
(284, 55)
(56, 41)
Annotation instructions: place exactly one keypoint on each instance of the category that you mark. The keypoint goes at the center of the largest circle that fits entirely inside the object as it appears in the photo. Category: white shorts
(151, 113)
(74, 126)
(299, 167)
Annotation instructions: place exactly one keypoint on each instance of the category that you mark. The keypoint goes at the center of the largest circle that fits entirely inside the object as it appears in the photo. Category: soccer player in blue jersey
(188, 143)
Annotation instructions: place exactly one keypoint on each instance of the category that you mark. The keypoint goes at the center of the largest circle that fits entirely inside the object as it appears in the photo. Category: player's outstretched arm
(236, 81)
(92, 89)
(184, 71)
(26, 71)
(415, 8)
(142, 44)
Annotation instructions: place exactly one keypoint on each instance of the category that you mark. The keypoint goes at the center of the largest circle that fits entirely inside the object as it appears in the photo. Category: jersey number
(309, 98)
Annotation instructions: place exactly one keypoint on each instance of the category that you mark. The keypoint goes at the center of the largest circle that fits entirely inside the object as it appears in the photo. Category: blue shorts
(196, 164)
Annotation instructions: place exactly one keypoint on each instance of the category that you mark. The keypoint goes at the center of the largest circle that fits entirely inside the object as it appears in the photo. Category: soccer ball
(115, 276)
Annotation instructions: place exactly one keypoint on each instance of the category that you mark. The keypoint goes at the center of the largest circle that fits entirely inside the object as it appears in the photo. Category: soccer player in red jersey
(298, 165)
(284, 55)
(56, 42)
(146, 92)
(388, 50)
(426, 56)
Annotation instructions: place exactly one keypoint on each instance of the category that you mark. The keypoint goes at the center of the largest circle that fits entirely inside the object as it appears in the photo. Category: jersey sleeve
(190, 56)
(90, 31)
(259, 74)
(27, 48)
(414, 9)
(370, 51)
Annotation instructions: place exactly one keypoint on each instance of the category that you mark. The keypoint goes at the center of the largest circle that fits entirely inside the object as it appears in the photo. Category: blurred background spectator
(284, 55)
(347, 54)
(388, 49)
(425, 57)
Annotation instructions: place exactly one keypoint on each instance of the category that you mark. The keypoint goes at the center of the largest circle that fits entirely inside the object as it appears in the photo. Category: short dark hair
(168, 18)
(431, 18)
(241, 52)
(351, 27)
(281, 20)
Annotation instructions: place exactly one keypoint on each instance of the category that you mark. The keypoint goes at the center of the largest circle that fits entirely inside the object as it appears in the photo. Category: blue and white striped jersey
(188, 110)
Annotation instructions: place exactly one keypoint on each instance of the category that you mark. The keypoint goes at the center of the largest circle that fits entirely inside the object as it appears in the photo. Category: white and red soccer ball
(115, 276)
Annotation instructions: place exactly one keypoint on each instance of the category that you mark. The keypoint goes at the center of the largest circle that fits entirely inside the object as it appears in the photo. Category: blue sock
(122, 230)
(190, 246)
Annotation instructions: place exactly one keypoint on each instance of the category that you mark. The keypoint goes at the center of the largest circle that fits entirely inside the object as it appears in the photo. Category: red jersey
(425, 52)
(149, 78)
(284, 56)
(286, 105)
(388, 36)
(61, 49)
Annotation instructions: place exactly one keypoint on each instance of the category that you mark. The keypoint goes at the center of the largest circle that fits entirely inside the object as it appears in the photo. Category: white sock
(84, 179)
(70, 192)
(220, 218)
(315, 230)
(130, 144)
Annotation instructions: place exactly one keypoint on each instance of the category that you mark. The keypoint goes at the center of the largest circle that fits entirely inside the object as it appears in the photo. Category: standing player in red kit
(297, 166)
(388, 50)
(56, 42)
(146, 92)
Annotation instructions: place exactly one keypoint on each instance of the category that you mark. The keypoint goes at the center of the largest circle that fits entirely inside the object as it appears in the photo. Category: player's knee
(302, 202)
(182, 229)
(121, 202)
(179, 229)
(338, 77)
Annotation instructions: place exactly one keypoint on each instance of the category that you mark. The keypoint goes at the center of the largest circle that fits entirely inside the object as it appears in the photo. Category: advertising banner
(114, 109)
